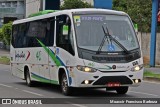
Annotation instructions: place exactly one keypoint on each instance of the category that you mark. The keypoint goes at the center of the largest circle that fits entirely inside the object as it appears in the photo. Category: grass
(151, 74)
(4, 60)
(146, 66)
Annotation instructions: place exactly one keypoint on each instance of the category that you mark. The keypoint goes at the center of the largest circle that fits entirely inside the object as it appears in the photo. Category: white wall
(145, 42)
(32, 6)
(89, 1)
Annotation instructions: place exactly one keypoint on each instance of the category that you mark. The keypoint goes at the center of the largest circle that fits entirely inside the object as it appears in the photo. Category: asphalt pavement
(12, 87)
(4, 52)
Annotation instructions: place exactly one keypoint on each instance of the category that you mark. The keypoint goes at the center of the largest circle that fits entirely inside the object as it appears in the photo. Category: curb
(151, 79)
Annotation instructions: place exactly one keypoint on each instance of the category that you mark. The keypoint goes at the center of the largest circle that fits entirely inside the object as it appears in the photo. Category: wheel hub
(64, 84)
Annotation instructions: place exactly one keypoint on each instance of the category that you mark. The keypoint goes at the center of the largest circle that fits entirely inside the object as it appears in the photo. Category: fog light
(86, 81)
(136, 81)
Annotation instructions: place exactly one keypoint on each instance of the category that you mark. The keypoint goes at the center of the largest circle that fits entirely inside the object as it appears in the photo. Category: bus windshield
(90, 33)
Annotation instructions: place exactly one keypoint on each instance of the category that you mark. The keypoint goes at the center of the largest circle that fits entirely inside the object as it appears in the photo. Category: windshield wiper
(103, 41)
(107, 35)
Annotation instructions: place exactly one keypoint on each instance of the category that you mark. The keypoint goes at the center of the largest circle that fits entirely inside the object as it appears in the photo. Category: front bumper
(101, 79)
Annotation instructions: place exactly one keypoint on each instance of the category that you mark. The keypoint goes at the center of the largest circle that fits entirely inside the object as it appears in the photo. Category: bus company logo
(19, 55)
(114, 67)
(22, 55)
(28, 55)
(38, 55)
(91, 64)
(121, 66)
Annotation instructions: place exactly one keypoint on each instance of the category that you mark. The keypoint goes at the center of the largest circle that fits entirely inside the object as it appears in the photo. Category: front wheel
(64, 85)
(122, 90)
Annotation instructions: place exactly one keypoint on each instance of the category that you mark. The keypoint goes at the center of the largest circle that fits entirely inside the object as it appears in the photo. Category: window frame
(51, 33)
(58, 33)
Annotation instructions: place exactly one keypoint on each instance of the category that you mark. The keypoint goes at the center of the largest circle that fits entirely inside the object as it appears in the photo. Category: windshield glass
(90, 33)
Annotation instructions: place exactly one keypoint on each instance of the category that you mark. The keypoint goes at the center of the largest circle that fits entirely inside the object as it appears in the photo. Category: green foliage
(1, 35)
(4, 60)
(120, 5)
(73, 4)
(151, 74)
(6, 32)
(138, 10)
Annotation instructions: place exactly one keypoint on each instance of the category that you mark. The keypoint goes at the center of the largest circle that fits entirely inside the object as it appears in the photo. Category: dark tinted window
(26, 34)
(36, 30)
(50, 32)
(64, 41)
(14, 34)
(18, 35)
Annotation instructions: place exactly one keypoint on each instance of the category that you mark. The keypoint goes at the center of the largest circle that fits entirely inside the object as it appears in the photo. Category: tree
(1, 35)
(138, 10)
(6, 32)
(73, 4)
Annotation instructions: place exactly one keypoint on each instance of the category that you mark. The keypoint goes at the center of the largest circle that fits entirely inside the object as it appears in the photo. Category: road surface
(4, 52)
(12, 87)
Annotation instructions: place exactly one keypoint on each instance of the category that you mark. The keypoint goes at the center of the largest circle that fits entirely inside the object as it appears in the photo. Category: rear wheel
(64, 85)
(29, 82)
(122, 90)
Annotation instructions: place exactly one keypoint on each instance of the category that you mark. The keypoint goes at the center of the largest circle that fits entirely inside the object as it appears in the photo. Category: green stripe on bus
(42, 13)
(43, 79)
(53, 57)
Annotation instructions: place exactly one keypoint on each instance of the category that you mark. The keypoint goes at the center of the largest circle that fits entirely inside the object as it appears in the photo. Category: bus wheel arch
(61, 71)
(63, 81)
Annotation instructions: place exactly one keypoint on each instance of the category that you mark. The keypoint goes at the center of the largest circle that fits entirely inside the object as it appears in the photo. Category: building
(34, 6)
(11, 10)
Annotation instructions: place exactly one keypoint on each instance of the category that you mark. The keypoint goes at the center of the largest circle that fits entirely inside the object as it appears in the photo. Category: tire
(110, 89)
(64, 85)
(29, 82)
(122, 90)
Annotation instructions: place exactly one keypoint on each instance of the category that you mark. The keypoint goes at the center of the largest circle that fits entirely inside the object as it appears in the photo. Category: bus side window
(65, 40)
(18, 36)
(49, 38)
(14, 35)
(36, 30)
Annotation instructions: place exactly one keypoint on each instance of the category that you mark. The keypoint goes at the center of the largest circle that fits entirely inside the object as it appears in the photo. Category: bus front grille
(107, 79)
(122, 58)
(111, 71)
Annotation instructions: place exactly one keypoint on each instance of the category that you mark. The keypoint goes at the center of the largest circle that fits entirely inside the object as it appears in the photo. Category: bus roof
(42, 13)
(83, 10)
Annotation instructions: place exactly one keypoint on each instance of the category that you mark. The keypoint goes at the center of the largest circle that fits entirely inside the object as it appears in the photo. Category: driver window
(64, 33)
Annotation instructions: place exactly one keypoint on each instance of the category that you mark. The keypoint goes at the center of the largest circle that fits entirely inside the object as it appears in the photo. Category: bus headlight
(86, 69)
(137, 68)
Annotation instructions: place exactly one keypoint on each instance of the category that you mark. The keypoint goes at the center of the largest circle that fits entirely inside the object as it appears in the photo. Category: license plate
(113, 84)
